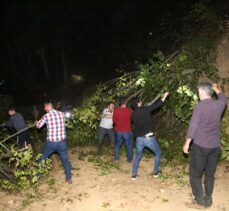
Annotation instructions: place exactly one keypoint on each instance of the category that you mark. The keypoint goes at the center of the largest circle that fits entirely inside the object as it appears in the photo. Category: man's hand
(216, 88)
(36, 124)
(186, 146)
(165, 96)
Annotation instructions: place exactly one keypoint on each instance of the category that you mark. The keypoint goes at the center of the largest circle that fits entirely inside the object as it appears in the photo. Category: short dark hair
(111, 102)
(122, 100)
(49, 102)
(134, 103)
(11, 108)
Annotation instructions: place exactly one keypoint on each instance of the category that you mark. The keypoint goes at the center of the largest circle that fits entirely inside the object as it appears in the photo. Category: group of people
(135, 122)
(202, 141)
(56, 134)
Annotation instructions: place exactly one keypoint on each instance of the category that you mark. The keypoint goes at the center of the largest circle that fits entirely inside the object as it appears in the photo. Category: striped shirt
(55, 125)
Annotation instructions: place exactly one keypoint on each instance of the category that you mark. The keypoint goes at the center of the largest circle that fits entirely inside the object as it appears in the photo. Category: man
(106, 126)
(56, 136)
(122, 122)
(17, 122)
(143, 125)
(204, 130)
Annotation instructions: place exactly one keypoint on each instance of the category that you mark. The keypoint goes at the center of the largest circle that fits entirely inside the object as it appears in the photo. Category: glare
(67, 114)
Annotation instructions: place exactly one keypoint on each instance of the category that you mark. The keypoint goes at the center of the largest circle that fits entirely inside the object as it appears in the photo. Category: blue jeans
(61, 148)
(125, 137)
(152, 144)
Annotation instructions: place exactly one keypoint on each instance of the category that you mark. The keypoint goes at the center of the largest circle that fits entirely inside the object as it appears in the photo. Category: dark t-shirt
(17, 122)
(142, 119)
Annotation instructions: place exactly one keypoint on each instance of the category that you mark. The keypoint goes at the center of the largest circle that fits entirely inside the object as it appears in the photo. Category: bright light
(67, 114)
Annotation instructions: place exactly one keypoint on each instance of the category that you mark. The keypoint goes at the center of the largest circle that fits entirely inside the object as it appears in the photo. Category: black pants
(103, 132)
(203, 161)
(23, 139)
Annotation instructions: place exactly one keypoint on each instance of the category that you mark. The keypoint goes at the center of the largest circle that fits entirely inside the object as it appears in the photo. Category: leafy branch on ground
(20, 170)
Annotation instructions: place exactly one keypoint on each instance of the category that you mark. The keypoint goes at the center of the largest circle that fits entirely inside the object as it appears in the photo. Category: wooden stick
(9, 137)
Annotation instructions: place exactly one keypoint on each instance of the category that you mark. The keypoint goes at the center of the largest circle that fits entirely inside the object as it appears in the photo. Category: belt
(148, 135)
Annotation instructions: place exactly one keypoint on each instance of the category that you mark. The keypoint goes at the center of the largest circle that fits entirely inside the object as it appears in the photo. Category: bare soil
(222, 60)
(90, 191)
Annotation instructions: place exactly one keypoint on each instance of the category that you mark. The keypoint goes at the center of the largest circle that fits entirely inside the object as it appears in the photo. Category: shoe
(134, 177)
(195, 205)
(157, 174)
(69, 181)
(208, 202)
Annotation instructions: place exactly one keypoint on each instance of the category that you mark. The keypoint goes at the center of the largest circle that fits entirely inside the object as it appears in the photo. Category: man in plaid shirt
(56, 136)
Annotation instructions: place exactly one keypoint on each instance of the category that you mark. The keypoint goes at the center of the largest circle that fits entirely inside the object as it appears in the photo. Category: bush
(225, 136)
(20, 170)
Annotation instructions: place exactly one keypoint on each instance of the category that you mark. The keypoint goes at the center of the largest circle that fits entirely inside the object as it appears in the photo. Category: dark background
(44, 43)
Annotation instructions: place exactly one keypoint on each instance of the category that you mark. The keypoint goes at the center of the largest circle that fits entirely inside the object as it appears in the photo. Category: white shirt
(107, 120)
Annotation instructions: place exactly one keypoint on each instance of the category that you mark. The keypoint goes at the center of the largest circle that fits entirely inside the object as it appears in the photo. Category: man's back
(55, 125)
(205, 124)
(17, 122)
(122, 119)
(142, 118)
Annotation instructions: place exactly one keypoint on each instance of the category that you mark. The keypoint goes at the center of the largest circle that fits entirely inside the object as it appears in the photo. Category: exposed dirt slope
(222, 61)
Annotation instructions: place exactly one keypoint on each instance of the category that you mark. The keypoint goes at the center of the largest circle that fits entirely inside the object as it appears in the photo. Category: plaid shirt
(55, 125)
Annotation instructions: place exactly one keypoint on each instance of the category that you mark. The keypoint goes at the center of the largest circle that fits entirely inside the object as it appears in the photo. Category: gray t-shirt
(204, 127)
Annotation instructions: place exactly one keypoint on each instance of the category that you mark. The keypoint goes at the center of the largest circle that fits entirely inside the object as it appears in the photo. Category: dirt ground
(91, 191)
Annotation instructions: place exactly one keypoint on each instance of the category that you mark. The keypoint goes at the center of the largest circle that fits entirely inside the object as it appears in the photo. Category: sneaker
(134, 177)
(195, 205)
(69, 181)
(157, 174)
(208, 202)
(116, 161)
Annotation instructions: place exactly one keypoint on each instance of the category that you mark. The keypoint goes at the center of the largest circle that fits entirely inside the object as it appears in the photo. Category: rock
(162, 191)
(11, 202)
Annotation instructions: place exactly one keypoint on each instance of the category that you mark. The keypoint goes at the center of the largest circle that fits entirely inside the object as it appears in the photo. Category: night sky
(44, 43)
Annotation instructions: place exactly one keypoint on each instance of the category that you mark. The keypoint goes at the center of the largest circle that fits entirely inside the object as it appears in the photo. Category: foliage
(177, 73)
(186, 95)
(171, 152)
(225, 136)
(160, 74)
(20, 170)
(103, 164)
